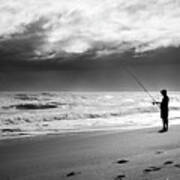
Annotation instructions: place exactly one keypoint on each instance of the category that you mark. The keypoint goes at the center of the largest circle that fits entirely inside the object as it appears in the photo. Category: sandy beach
(138, 154)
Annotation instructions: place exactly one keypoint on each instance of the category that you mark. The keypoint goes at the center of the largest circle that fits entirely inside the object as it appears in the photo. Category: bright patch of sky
(103, 26)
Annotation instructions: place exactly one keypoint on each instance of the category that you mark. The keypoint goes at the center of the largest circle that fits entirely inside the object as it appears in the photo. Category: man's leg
(163, 124)
(166, 124)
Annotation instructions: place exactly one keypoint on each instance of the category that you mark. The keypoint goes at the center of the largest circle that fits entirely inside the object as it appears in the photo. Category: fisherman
(164, 109)
(163, 104)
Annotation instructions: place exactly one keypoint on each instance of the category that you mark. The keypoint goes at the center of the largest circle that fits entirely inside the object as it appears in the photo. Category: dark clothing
(164, 107)
(164, 112)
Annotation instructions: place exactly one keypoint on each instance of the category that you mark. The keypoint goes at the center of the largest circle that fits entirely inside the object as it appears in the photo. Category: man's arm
(156, 102)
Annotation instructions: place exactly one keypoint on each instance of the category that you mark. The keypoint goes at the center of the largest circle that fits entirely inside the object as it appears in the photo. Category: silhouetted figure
(164, 109)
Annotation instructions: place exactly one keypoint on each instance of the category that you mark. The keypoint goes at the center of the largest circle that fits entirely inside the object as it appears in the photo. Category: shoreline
(83, 131)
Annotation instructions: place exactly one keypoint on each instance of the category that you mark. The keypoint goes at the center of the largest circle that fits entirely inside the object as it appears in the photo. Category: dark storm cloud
(90, 60)
(20, 47)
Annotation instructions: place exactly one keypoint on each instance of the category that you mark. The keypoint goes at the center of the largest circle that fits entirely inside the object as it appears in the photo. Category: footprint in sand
(159, 152)
(72, 174)
(122, 161)
(177, 165)
(119, 177)
(151, 169)
(168, 162)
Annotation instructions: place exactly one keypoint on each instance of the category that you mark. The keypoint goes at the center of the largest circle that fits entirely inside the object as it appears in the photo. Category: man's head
(164, 92)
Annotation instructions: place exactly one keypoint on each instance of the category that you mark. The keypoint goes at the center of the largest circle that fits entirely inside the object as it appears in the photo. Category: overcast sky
(85, 44)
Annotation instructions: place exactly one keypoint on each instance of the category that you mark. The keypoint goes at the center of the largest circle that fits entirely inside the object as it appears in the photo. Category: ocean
(24, 114)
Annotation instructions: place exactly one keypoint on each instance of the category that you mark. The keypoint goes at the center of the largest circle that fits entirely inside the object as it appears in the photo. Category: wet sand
(139, 154)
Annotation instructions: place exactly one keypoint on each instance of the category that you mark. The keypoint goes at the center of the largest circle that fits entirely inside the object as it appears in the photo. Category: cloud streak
(53, 29)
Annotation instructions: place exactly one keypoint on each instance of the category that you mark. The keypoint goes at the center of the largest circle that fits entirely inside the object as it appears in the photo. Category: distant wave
(31, 106)
(26, 97)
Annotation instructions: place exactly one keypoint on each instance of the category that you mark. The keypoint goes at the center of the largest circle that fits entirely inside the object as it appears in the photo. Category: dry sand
(139, 154)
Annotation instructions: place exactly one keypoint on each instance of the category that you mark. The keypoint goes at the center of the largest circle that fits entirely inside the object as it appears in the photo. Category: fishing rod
(139, 83)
